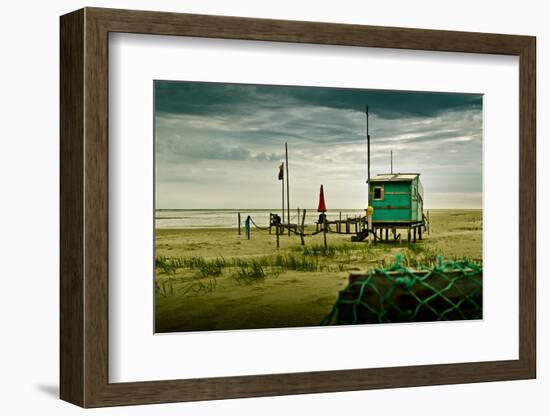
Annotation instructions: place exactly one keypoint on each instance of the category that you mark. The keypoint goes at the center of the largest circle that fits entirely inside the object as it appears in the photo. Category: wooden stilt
(414, 234)
(409, 234)
(277, 232)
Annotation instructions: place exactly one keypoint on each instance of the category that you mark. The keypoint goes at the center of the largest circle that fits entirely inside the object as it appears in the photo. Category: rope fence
(257, 226)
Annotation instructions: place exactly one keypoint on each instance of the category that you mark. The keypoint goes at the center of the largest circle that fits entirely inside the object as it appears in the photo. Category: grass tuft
(251, 273)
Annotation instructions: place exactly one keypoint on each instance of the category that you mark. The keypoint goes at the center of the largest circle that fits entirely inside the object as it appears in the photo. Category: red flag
(282, 171)
(322, 206)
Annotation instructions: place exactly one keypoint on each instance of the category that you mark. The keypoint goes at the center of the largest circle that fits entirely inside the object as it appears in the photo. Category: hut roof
(395, 177)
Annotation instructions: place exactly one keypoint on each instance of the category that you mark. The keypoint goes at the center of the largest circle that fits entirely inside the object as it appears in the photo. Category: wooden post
(302, 228)
(325, 230)
(239, 222)
(369, 221)
(420, 233)
(270, 221)
(277, 232)
(409, 234)
(429, 222)
(386, 234)
(414, 234)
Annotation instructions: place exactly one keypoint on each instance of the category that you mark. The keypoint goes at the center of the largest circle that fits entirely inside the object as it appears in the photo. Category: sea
(227, 218)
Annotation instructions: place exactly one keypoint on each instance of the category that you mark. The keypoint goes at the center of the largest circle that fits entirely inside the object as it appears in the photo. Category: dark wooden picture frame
(84, 207)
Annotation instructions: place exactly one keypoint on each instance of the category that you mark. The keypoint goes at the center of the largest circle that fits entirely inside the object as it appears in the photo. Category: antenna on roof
(391, 162)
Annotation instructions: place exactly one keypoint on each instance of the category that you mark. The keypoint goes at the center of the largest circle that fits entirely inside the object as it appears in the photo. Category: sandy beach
(215, 279)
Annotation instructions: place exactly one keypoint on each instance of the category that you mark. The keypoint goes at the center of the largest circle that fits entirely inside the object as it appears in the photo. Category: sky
(219, 145)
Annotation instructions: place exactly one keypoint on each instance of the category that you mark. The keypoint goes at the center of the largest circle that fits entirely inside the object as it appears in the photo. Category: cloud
(229, 141)
(215, 99)
(186, 138)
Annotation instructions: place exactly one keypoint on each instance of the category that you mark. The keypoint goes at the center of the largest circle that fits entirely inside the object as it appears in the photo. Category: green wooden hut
(396, 198)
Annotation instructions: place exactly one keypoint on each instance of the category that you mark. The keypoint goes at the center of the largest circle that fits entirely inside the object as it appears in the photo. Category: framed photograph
(255, 207)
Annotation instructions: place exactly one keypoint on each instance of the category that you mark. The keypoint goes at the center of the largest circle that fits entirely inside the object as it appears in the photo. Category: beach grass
(215, 279)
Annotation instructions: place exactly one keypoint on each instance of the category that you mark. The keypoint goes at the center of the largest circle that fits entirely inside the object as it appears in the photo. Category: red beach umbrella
(322, 206)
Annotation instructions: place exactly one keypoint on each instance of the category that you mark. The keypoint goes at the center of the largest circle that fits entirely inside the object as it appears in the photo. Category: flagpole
(287, 190)
(283, 198)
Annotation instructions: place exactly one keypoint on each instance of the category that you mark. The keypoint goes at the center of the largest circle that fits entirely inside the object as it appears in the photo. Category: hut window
(378, 193)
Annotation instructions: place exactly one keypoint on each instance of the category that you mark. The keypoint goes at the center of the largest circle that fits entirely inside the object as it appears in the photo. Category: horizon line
(293, 209)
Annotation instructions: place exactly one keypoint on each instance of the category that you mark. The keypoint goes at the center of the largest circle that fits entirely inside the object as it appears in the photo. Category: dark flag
(282, 171)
